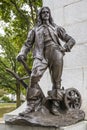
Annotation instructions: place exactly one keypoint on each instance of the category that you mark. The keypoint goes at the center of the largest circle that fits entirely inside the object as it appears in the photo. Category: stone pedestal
(79, 126)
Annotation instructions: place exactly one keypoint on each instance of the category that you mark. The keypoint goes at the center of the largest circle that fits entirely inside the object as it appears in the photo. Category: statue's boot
(29, 109)
(55, 108)
(34, 101)
(32, 106)
(56, 96)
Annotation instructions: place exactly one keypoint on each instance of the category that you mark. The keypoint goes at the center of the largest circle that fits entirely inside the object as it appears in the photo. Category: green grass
(6, 107)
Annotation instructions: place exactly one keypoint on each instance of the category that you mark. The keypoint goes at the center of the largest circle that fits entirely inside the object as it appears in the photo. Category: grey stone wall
(72, 15)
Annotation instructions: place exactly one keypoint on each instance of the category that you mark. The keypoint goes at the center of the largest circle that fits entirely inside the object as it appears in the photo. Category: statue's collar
(46, 25)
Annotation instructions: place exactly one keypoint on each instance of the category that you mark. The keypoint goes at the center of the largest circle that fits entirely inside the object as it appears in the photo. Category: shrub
(6, 99)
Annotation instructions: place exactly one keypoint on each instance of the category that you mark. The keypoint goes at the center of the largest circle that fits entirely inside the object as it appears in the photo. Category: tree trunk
(18, 92)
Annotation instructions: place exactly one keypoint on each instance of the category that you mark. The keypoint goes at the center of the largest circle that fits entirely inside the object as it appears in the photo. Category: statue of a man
(47, 50)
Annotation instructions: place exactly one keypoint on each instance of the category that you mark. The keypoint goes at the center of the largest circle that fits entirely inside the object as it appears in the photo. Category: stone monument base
(78, 126)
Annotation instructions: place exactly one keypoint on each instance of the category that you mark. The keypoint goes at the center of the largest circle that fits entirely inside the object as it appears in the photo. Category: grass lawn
(6, 107)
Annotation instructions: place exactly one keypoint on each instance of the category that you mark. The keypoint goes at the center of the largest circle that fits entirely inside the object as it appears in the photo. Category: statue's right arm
(27, 46)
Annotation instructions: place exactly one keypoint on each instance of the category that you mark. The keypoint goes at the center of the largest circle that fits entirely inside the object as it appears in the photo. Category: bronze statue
(48, 52)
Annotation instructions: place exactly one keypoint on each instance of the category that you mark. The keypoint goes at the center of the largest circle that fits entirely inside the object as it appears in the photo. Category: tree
(20, 17)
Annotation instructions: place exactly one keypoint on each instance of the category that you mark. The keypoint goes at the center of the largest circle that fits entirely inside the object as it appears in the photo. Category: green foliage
(2, 92)
(20, 17)
(5, 99)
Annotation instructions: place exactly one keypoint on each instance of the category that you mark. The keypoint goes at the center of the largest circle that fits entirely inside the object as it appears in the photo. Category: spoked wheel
(72, 99)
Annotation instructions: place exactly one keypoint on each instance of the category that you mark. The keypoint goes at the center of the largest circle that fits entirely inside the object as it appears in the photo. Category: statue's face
(45, 14)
